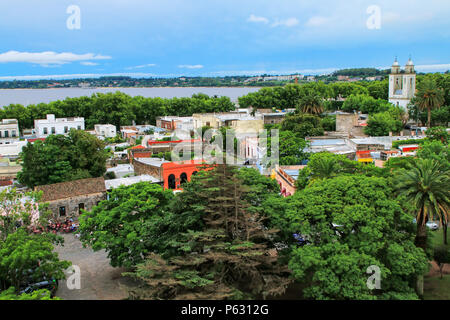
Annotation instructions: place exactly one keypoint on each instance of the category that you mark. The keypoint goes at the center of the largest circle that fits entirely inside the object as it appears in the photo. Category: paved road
(99, 281)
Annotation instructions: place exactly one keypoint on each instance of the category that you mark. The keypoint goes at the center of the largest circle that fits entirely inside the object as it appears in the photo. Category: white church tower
(402, 84)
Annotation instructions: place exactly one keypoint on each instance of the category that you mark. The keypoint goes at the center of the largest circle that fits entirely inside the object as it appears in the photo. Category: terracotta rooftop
(64, 190)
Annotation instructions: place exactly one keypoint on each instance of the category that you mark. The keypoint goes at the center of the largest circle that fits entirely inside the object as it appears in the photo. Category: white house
(12, 150)
(105, 130)
(9, 131)
(51, 125)
(122, 170)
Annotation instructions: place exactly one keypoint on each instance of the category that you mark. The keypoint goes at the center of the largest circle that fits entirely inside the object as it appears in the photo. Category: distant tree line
(116, 108)
(361, 72)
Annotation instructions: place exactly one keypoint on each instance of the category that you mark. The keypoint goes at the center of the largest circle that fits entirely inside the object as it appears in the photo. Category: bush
(380, 124)
(398, 143)
(442, 257)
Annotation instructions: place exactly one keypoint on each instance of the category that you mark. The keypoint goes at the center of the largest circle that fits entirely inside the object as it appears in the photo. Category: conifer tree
(227, 259)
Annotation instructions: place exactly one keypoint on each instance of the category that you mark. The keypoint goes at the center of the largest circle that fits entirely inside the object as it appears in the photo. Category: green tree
(60, 158)
(429, 97)
(302, 125)
(351, 223)
(380, 124)
(442, 257)
(21, 210)
(312, 104)
(43, 294)
(25, 257)
(365, 104)
(228, 258)
(438, 133)
(424, 185)
(127, 225)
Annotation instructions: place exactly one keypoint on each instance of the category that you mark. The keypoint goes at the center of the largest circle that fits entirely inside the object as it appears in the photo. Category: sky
(169, 38)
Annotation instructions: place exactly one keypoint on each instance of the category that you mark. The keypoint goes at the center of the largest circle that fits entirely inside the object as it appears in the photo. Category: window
(171, 180)
(45, 130)
(6, 134)
(13, 133)
(80, 207)
(79, 128)
(62, 211)
(53, 130)
(208, 124)
(183, 178)
(0, 134)
(66, 129)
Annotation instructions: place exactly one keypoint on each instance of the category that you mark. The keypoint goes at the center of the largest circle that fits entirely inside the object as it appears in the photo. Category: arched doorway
(171, 182)
(183, 178)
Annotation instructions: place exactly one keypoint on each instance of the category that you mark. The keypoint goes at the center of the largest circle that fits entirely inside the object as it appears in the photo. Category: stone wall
(142, 168)
(72, 205)
(346, 122)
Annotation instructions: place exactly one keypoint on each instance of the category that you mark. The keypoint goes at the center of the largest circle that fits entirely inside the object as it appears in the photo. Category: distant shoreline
(156, 87)
(27, 96)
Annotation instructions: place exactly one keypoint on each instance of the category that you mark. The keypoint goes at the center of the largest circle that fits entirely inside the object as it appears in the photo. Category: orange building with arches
(176, 173)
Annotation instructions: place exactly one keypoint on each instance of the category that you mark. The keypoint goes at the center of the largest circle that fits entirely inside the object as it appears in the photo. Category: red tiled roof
(33, 140)
(150, 142)
(4, 183)
(69, 189)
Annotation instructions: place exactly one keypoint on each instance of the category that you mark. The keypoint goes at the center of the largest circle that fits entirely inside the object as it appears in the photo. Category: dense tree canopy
(27, 257)
(62, 158)
(352, 223)
(128, 225)
(116, 108)
(228, 257)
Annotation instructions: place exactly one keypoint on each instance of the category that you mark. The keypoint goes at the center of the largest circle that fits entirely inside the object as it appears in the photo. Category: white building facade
(9, 131)
(51, 125)
(105, 130)
(402, 84)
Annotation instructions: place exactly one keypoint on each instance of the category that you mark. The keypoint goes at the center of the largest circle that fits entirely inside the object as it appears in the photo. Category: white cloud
(142, 66)
(88, 63)
(48, 58)
(317, 21)
(189, 66)
(290, 22)
(257, 19)
(433, 67)
(77, 76)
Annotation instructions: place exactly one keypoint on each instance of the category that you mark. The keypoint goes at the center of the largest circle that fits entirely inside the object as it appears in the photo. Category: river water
(34, 96)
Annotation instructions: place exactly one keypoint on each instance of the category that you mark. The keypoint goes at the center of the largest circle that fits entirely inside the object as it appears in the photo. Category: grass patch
(436, 288)
(437, 237)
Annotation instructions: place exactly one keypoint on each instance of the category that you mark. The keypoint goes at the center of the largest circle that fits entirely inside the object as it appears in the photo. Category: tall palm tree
(312, 104)
(425, 185)
(429, 97)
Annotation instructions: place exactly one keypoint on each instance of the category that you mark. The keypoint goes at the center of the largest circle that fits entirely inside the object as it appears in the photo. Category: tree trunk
(419, 286)
(444, 229)
(421, 242)
(421, 236)
(429, 117)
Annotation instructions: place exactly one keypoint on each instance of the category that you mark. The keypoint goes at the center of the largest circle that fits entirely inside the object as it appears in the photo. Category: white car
(430, 224)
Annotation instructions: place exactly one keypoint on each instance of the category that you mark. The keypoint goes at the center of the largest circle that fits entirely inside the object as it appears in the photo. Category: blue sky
(214, 38)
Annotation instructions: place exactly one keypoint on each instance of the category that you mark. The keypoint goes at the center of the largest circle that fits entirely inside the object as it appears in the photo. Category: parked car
(50, 285)
(430, 224)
